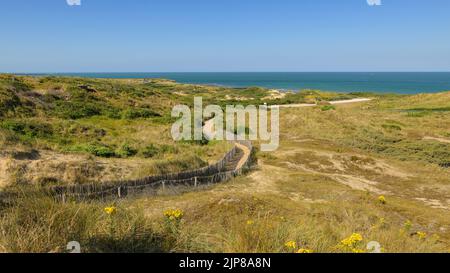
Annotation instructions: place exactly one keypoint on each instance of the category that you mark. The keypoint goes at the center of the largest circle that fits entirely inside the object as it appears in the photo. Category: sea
(377, 82)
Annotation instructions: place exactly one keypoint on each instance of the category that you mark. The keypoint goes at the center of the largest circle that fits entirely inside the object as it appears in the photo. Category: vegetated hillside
(78, 130)
(343, 176)
(337, 182)
(69, 130)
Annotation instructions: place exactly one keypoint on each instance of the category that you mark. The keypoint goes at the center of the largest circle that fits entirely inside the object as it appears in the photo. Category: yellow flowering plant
(421, 235)
(291, 245)
(382, 200)
(172, 223)
(110, 210)
(174, 214)
(351, 243)
(304, 250)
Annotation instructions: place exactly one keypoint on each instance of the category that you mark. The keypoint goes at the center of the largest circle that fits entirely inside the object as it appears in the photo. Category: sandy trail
(209, 133)
(314, 104)
(439, 139)
(245, 157)
(209, 127)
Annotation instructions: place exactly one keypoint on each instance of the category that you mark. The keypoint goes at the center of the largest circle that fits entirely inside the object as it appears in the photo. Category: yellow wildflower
(304, 250)
(352, 240)
(291, 244)
(356, 250)
(174, 214)
(382, 199)
(110, 210)
(422, 235)
(250, 222)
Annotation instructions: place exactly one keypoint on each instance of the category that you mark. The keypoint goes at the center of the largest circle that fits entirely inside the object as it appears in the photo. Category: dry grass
(321, 186)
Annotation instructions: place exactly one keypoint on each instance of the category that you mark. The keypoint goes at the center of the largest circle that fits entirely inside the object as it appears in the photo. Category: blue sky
(224, 35)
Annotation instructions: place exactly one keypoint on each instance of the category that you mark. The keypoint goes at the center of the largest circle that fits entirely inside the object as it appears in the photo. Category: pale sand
(331, 102)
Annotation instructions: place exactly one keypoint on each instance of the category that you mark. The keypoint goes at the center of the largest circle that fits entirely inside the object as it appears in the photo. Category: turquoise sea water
(404, 83)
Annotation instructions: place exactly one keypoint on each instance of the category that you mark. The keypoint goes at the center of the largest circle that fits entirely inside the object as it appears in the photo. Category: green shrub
(76, 110)
(97, 149)
(113, 113)
(126, 151)
(153, 150)
(328, 107)
(139, 113)
(102, 151)
(8, 101)
(150, 151)
(28, 129)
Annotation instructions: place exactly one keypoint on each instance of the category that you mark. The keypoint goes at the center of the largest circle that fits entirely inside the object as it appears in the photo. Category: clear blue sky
(224, 35)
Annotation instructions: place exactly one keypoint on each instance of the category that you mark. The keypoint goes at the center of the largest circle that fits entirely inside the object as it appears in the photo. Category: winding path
(299, 105)
(209, 132)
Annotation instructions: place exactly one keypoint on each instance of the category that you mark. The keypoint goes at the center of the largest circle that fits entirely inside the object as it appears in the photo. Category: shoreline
(402, 83)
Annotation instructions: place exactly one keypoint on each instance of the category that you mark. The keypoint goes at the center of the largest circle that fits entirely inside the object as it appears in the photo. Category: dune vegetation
(344, 175)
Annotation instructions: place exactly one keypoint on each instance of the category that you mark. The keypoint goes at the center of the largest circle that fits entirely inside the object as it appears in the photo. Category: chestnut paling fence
(212, 174)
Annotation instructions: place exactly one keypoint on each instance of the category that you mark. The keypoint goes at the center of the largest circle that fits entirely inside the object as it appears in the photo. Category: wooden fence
(212, 174)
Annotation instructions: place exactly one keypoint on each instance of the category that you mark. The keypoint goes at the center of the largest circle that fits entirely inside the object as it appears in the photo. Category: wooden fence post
(119, 192)
(195, 181)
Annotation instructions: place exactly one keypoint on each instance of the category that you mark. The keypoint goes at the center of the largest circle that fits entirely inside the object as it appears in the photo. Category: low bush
(76, 110)
(28, 129)
(150, 151)
(328, 108)
(139, 113)
(97, 149)
(126, 150)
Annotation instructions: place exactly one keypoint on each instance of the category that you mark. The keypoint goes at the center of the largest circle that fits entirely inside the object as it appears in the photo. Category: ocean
(380, 82)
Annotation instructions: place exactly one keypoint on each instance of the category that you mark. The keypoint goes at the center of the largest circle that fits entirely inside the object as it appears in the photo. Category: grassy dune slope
(378, 169)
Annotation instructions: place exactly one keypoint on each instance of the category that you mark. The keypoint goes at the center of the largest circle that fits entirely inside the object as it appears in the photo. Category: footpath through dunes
(337, 102)
(234, 163)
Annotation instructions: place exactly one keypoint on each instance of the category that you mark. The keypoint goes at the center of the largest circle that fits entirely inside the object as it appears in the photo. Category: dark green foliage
(328, 107)
(76, 110)
(28, 129)
(8, 101)
(126, 150)
(97, 149)
(153, 150)
(102, 151)
(150, 151)
(135, 113)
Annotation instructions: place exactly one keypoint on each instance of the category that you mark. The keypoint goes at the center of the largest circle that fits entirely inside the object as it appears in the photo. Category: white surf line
(314, 104)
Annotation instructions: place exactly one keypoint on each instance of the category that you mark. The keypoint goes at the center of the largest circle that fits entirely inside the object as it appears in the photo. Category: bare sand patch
(439, 139)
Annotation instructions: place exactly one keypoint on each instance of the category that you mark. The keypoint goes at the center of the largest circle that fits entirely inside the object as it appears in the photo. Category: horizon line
(143, 72)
